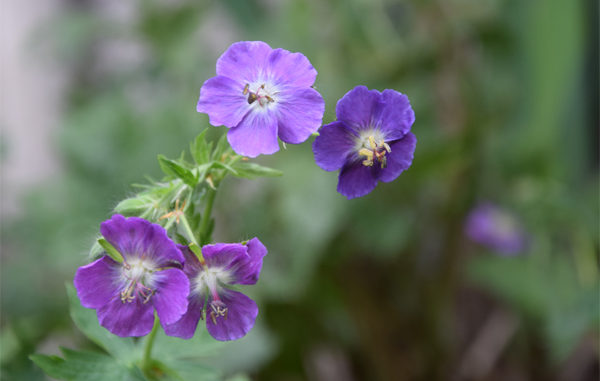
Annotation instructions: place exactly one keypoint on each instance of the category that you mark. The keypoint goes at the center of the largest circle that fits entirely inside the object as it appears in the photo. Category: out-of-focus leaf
(122, 348)
(86, 366)
(543, 288)
(253, 170)
(173, 348)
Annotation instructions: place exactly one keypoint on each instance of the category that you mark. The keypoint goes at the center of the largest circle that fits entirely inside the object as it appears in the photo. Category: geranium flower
(370, 142)
(261, 94)
(229, 314)
(496, 229)
(125, 295)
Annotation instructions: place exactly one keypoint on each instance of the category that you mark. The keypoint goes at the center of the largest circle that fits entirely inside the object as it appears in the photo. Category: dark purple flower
(261, 94)
(370, 142)
(125, 295)
(229, 314)
(496, 228)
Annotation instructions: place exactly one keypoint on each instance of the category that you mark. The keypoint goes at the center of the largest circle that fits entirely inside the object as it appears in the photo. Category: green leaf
(200, 149)
(221, 148)
(226, 167)
(253, 170)
(135, 205)
(86, 366)
(172, 168)
(122, 348)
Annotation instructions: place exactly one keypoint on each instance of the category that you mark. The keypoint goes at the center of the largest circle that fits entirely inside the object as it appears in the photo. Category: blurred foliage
(384, 287)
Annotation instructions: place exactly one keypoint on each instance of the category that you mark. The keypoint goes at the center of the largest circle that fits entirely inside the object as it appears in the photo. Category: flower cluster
(262, 95)
(157, 275)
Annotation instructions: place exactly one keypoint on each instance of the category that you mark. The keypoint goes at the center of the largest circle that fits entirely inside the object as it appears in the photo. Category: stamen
(246, 89)
(376, 152)
(218, 309)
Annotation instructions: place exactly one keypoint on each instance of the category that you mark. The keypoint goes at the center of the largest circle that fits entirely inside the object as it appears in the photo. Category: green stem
(146, 360)
(205, 222)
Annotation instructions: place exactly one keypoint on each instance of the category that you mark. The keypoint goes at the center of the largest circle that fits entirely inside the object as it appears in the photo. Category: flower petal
(186, 326)
(241, 315)
(98, 282)
(397, 116)
(137, 237)
(223, 100)
(256, 134)
(170, 298)
(399, 159)
(300, 114)
(360, 108)
(244, 61)
(356, 180)
(224, 255)
(293, 69)
(247, 270)
(333, 145)
(127, 319)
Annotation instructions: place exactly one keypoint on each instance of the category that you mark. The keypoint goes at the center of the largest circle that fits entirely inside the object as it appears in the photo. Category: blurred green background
(385, 287)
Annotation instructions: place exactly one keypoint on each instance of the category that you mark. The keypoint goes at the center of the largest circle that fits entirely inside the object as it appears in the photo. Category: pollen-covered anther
(217, 309)
(261, 95)
(376, 152)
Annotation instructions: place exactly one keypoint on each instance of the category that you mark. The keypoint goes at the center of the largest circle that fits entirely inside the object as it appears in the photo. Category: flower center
(211, 280)
(374, 150)
(137, 275)
(262, 94)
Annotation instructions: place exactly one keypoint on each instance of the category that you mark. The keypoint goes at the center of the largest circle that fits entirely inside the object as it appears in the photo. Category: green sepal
(253, 170)
(110, 250)
(197, 251)
(172, 168)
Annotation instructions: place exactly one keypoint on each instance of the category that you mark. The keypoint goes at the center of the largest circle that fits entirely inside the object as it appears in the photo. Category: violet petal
(397, 116)
(127, 319)
(356, 180)
(399, 159)
(137, 237)
(359, 108)
(333, 145)
(97, 283)
(256, 134)
(170, 298)
(291, 68)
(240, 60)
(186, 326)
(241, 315)
(299, 115)
(223, 100)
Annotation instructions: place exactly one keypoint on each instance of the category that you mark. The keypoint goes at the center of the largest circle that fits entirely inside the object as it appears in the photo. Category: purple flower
(496, 228)
(370, 142)
(229, 314)
(261, 94)
(126, 294)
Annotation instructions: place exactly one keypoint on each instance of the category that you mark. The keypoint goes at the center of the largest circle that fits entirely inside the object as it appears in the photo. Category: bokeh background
(386, 287)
